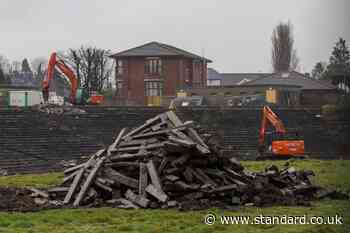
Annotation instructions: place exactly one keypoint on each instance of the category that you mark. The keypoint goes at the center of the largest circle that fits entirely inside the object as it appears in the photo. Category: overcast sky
(235, 34)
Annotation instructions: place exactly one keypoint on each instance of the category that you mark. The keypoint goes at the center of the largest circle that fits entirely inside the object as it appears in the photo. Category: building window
(119, 67)
(153, 66)
(154, 88)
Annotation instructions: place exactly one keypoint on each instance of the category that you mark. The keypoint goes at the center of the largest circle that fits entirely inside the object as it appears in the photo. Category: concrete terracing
(34, 141)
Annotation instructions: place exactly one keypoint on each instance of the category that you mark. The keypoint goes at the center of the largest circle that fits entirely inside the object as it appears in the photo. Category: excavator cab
(278, 144)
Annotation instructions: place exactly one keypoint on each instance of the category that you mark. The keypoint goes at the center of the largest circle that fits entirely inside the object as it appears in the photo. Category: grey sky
(235, 34)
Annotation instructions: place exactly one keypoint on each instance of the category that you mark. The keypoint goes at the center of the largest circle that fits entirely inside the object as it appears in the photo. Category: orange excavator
(77, 95)
(279, 144)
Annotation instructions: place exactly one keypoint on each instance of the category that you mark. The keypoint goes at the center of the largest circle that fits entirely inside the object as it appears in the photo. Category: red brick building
(154, 71)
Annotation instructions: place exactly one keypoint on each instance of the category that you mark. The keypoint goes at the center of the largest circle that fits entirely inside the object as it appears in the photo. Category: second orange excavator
(77, 95)
(278, 144)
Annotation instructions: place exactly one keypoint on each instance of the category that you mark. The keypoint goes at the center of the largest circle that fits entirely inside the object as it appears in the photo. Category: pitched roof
(229, 79)
(24, 79)
(292, 78)
(157, 49)
(213, 74)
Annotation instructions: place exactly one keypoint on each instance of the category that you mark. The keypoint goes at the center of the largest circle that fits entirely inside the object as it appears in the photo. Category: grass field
(335, 174)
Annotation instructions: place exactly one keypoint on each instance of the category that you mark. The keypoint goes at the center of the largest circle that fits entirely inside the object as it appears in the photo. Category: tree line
(337, 69)
(91, 65)
(284, 58)
(93, 68)
(8, 69)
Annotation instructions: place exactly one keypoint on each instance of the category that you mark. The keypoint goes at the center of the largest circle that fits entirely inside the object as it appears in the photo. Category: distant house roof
(24, 79)
(292, 78)
(229, 79)
(213, 74)
(157, 49)
(10, 87)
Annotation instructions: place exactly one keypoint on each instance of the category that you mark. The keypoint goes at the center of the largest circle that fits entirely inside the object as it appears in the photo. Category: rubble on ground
(3, 172)
(18, 199)
(53, 109)
(166, 163)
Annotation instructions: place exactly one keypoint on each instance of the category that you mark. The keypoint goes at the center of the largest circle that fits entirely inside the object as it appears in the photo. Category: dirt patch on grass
(17, 199)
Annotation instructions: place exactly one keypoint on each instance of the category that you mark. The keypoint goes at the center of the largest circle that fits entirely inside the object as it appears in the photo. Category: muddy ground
(17, 199)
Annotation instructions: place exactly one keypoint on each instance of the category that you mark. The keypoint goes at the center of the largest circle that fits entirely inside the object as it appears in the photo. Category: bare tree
(25, 67)
(4, 63)
(39, 64)
(295, 61)
(74, 59)
(15, 67)
(284, 56)
(92, 67)
(2, 76)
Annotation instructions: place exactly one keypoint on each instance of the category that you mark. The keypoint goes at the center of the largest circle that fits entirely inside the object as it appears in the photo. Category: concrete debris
(3, 172)
(53, 109)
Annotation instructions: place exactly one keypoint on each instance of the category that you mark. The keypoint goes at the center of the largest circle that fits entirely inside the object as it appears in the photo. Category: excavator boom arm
(269, 116)
(53, 62)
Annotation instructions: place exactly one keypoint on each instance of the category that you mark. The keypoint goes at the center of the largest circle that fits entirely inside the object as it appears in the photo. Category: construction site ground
(330, 173)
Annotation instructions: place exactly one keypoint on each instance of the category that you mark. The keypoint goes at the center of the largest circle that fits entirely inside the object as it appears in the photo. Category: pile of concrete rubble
(166, 163)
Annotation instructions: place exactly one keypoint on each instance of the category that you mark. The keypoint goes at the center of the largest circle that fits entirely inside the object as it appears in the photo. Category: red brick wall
(171, 76)
(188, 72)
(319, 97)
(199, 74)
(175, 72)
(136, 92)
